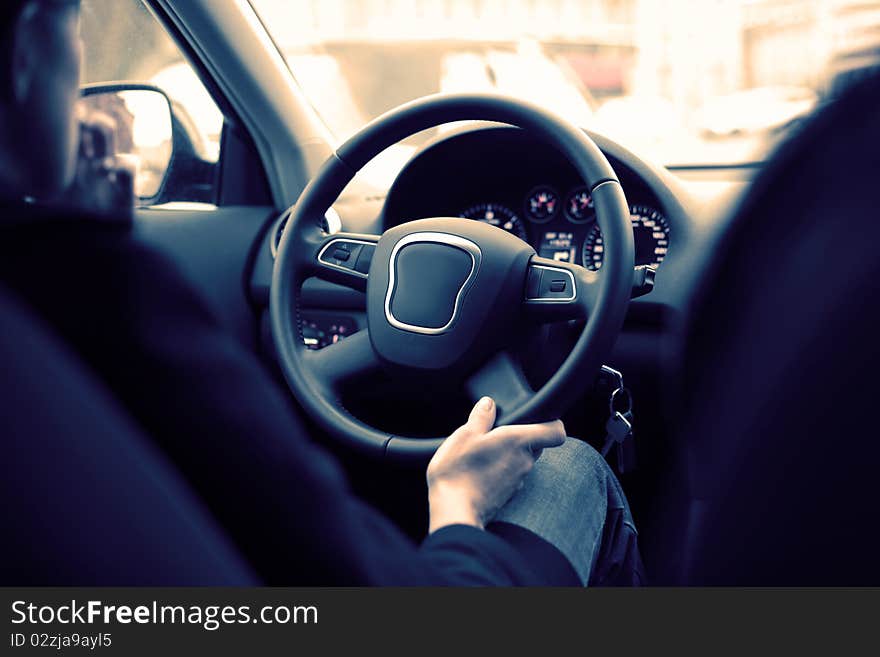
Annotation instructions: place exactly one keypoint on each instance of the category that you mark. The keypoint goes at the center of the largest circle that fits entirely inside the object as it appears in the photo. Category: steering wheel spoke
(343, 361)
(558, 291)
(501, 378)
(345, 258)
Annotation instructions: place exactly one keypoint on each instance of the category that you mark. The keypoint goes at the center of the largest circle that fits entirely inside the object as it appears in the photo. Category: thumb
(482, 417)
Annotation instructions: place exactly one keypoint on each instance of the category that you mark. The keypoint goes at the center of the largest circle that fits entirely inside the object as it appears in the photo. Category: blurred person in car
(509, 505)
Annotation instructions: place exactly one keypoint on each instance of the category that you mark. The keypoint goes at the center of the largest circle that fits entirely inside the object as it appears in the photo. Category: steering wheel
(439, 291)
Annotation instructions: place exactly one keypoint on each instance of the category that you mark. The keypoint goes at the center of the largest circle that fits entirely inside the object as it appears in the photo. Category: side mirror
(144, 136)
(159, 140)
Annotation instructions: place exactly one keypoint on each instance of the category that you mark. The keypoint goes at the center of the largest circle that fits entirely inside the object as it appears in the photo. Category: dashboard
(505, 178)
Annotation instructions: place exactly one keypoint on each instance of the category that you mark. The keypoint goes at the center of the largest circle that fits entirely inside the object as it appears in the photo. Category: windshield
(685, 82)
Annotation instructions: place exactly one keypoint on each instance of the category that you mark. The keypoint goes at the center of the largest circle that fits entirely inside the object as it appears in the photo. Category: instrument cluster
(561, 225)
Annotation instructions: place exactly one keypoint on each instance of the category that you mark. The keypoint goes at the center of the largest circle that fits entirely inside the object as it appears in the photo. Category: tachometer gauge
(579, 207)
(498, 215)
(650, 233)
(542, 204)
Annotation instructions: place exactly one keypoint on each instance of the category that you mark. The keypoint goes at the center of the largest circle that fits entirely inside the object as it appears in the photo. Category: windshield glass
(686, 82)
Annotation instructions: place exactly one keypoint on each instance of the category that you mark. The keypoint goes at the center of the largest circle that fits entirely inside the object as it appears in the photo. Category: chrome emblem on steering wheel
(417, 305)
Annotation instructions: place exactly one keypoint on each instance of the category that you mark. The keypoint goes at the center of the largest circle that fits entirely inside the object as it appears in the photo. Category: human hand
(103, 183)
(478, 468)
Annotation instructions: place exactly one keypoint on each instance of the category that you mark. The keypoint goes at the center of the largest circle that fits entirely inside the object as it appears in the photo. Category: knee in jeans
(578, 463)
(595, 471)
(581, 456)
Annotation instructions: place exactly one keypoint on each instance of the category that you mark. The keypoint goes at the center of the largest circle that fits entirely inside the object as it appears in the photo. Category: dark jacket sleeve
(228, 426)
(456, 548)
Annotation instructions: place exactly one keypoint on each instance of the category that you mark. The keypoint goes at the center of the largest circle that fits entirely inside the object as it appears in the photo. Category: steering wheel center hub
(438, 288)
(429, 275)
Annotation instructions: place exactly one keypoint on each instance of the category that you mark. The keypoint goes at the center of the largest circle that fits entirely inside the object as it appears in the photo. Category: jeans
(573, 500)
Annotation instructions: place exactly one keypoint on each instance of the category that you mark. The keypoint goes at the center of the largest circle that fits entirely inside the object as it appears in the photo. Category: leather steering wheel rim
(303, 247)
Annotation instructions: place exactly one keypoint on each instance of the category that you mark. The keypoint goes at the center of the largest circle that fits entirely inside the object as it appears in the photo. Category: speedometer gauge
(498, 215)
(650, 233)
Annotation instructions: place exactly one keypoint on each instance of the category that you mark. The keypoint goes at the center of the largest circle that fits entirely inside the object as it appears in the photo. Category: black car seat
(86, 499)
(779, 369)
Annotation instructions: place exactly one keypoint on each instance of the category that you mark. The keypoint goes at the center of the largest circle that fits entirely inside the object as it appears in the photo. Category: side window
(125, 44)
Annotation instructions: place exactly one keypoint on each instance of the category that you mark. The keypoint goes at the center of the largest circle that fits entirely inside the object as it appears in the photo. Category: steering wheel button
(344, 254)
(533, 285)
(362, 263)
(549, 283)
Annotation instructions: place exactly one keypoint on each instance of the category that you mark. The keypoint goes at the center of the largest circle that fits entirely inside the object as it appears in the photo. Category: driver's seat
(779, 438)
